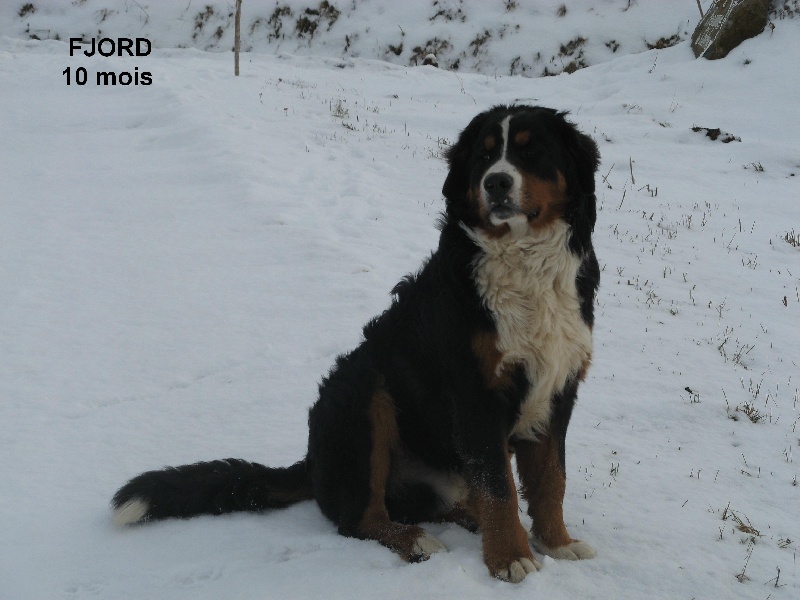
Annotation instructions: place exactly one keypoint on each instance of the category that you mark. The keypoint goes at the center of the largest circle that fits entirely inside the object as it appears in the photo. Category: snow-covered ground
(181, 262)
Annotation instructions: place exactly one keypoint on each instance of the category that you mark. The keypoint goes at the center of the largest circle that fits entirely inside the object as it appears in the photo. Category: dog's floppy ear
(585, 158)
(458, 158)
(582, 153)
(586, 155)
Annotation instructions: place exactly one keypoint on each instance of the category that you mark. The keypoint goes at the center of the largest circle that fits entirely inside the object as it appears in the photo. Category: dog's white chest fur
(528, 283)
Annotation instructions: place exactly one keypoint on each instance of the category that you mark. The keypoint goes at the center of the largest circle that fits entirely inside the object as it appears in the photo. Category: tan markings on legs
(461, 515)
(543, 486)
(505, 542)
(410, 542)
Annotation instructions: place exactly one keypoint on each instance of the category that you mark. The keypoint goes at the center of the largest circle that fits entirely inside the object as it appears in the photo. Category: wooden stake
(237, 37)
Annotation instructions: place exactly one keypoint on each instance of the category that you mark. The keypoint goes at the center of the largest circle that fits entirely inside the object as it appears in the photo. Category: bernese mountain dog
(477, 360)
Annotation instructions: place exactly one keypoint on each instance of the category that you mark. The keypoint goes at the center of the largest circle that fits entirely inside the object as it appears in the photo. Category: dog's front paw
(575, 550)
(516, 570)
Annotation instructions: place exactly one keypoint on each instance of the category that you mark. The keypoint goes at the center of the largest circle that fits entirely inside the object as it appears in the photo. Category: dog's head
(518, 169)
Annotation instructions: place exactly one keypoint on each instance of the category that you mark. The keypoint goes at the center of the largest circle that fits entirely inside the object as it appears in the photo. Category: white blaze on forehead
(505, 126)
(503, 166)
(503, 163)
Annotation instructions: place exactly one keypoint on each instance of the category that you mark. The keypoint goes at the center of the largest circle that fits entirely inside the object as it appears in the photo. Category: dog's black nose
(497, 186)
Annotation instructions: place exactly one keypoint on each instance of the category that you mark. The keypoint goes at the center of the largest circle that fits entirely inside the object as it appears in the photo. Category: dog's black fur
(418, 422)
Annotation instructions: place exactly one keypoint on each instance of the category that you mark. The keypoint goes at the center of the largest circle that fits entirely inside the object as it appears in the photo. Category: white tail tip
(131, 512)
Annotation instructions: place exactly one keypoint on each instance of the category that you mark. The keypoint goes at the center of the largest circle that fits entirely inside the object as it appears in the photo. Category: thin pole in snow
(237, 37)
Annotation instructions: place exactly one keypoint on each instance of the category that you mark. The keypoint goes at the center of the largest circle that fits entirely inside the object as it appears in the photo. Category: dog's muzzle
(497, 188)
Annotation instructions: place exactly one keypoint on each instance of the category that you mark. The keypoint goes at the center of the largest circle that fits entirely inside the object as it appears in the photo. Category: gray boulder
(727, 24)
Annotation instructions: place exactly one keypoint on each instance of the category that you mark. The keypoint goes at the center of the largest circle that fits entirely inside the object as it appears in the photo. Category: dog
(477, 359)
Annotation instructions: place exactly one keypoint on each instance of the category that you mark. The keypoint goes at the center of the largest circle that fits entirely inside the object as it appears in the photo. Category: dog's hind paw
(425, 545)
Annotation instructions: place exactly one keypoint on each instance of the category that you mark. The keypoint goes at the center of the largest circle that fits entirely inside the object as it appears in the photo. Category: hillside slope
(500, 37)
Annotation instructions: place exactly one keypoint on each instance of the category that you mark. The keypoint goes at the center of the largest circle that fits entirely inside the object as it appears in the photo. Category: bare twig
(605, 180)
(742, 577)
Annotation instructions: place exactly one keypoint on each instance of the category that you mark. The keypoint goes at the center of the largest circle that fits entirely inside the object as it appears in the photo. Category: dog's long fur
(478, 357)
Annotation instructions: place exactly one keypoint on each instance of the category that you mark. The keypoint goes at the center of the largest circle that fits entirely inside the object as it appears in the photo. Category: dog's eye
(484, 157)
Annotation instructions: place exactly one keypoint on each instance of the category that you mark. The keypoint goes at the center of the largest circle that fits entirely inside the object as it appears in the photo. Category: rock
(727, 24)
(430, 59)
(717, 135)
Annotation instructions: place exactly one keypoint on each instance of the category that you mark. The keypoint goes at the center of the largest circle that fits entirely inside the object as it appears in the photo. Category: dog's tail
(210, 488)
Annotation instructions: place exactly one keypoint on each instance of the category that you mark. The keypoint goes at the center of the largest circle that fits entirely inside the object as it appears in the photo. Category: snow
(180, 264)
